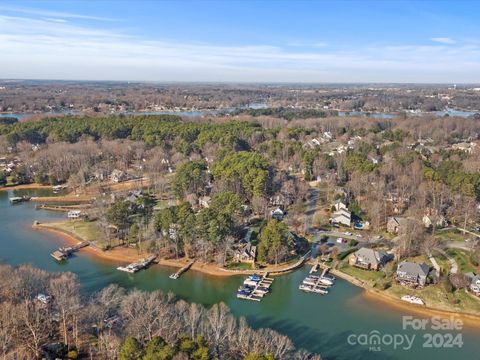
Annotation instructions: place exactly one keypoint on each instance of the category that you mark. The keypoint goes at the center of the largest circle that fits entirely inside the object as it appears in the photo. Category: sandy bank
(26, 187)
(471, 320)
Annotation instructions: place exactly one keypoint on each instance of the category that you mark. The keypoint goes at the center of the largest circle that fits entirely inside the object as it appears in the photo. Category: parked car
(347, 233)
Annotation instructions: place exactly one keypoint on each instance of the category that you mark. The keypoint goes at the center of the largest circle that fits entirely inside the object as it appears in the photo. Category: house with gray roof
(341, 217)
(475, 284)
(412, 274)
(368, 259)
(395, 224)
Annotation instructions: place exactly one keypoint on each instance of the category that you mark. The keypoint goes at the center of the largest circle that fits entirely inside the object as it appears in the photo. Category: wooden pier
(184, 269)
(317, 284)
(137, 266)
(255, 287)
(64, 253)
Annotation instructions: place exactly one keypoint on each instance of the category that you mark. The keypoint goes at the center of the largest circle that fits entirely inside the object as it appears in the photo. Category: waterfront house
(368, 259)
(412, 274)
(74, 214)
(475, 283)
(395, 224)
(246, 253)
(341, 217)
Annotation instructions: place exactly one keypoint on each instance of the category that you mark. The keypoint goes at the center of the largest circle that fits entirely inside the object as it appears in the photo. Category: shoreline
(471, 320)
(26, 187)
(126, 255)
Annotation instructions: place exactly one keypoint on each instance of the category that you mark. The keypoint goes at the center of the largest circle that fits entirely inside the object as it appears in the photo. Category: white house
(341, 217)
(278, 214)
(74, 214)
(118, 176)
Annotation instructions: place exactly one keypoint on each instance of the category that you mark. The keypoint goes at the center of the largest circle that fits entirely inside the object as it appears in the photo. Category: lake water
(318, 323)
(203, 113)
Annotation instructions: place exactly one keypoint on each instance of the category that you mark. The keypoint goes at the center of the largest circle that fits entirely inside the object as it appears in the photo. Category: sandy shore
(63, 199)
(127, 255)
(469, 320)
(26, 187)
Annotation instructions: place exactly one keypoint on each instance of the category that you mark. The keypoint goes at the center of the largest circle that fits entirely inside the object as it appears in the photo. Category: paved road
(311, 207)
(451, 261)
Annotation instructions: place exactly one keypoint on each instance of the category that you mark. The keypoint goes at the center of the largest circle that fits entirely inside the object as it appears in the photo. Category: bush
(344, 254)
(353, 243)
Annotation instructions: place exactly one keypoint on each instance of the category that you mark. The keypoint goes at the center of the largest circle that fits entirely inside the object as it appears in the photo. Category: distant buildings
(278, 214)
(118, 176)
(395, 224)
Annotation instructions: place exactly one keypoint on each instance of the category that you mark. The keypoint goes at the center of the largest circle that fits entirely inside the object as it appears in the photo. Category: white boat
(305, 287)
(251, 282)
(320, 291)
(325, 281)
(412, 299)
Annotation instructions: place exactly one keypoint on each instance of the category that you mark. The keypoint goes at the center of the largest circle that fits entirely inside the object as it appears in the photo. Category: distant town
(379, 186)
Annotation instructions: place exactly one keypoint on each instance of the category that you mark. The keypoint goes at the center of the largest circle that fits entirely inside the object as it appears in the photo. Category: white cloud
(42, 48)
(443, 40)
(52, 14)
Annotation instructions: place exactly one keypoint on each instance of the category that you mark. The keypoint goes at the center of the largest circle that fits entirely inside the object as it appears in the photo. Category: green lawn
(85, 230)
(450, 235)
(463, 260)
(436, 296)
(364, 275)
(239, 266)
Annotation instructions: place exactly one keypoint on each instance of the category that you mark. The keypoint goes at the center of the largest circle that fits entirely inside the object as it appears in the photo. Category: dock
(184, 269)
(318, 284)
(19, 199)
(64, 253)
(255, 287)
(137, 266)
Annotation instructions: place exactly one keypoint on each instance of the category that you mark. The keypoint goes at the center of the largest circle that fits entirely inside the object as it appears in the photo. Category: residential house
(469, 148)
(311, 144)
(74, 214)
(281, 200)
(246, 253)
(412, 274)
(368, 259)
(438, 220)
(278, 214)
(395, 224)
(340, 204)
(475, 284)
(341, 217)
(118, 176)
(204, 201)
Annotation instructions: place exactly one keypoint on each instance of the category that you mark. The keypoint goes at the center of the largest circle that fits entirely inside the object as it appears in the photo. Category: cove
(317, 323)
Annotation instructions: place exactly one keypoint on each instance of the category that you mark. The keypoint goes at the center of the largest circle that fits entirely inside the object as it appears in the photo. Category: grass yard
(463, 260)
(365, 275)
(437, 296)
(239, 266)
(85, 230)
(450, 235)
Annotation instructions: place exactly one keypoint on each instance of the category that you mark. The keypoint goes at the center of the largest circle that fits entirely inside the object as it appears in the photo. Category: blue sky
(248, 41)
